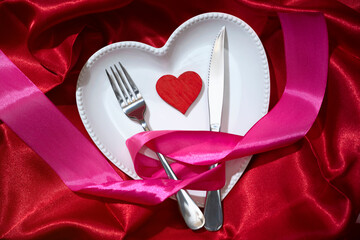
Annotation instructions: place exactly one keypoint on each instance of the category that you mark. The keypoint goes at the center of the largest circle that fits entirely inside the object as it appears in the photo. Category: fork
(133, 105)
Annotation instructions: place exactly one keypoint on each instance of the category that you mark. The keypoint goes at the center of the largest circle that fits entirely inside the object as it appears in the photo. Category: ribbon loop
(306, 54)
(27, 111)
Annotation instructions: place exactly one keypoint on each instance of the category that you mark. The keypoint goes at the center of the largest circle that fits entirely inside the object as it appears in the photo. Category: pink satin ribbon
(27, 111)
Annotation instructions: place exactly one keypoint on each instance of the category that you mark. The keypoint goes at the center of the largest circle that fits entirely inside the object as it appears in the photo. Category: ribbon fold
(33, 117)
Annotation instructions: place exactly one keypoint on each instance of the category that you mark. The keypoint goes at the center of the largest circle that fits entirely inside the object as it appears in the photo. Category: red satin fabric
(309, 190)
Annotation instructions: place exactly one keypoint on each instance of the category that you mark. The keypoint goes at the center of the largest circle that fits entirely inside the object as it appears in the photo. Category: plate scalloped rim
(161, 52)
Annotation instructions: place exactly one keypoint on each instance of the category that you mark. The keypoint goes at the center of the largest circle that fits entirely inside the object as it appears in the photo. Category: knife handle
(213, 210)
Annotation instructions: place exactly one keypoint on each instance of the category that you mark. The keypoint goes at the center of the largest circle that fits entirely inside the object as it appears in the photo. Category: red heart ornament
(179, 92)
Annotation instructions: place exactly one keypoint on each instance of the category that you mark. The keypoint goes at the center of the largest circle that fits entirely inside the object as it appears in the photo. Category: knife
(213, 210)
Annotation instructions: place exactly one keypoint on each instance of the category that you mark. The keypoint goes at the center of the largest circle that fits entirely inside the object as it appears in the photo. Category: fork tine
(126, 84)
(115, 89)
(119, 82)
(130, 81)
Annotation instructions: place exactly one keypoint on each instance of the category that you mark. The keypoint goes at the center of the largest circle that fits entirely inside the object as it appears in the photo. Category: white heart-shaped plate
(189, 48)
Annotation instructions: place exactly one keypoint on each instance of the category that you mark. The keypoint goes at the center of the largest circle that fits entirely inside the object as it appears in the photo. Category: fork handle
(191, 213)
(166, 167)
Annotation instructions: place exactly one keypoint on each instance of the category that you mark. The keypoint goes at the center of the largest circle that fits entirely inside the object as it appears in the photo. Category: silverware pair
(133, 105)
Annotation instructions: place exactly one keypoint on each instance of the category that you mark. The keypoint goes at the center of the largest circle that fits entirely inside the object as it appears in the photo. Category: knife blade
(213, 209)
